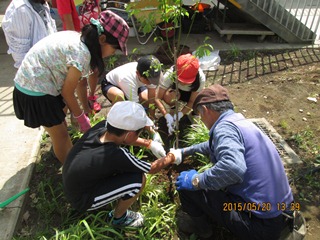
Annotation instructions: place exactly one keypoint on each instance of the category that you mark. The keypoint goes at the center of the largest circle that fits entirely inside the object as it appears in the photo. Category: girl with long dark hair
(48, 76)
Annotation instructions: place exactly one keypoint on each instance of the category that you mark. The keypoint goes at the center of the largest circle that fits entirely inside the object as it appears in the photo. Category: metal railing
(296, 15)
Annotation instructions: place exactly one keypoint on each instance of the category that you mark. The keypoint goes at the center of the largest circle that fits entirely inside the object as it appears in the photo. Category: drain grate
(286, 153)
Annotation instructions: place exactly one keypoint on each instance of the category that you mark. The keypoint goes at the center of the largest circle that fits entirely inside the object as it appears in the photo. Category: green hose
(9, 200)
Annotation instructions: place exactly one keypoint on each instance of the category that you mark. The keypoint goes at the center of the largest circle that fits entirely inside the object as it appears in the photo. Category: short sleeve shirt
(45, 66)
(167, 81)
(125, 78)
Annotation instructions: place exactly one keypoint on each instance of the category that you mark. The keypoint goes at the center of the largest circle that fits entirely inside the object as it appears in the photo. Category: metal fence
(291, 13)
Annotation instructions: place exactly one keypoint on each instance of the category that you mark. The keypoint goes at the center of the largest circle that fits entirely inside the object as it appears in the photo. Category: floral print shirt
(46, 65)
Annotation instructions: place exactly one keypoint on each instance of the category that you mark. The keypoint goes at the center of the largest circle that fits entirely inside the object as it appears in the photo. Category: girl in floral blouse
(48, 76)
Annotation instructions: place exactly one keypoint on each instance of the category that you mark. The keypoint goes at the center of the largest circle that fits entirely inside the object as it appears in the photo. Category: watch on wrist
(195, 182)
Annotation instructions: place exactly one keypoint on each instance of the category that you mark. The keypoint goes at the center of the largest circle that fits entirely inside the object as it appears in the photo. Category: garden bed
(271, 85)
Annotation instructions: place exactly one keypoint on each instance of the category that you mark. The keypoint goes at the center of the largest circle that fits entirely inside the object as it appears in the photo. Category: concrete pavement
(20, 145)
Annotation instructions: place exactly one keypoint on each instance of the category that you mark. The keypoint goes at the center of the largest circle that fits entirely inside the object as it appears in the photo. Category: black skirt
(38, 111)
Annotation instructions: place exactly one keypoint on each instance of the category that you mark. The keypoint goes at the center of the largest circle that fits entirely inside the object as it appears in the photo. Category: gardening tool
(14, 197)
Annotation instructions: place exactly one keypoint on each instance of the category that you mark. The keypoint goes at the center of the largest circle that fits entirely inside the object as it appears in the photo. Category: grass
(234, 52)
(56, 220)
(305, 141)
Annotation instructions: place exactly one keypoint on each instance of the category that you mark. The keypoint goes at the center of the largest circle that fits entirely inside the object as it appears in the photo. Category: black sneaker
(132, 219)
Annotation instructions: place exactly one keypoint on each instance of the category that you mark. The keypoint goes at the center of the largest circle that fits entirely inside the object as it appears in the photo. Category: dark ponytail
(90, 37)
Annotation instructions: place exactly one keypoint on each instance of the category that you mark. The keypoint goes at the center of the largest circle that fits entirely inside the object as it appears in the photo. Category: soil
(271, 85)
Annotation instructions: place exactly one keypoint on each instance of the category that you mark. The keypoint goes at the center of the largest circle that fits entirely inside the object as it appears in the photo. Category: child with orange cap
(191, 80)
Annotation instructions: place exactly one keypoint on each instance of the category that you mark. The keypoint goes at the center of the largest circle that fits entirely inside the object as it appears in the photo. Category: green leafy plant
(234, 52)
(198, 133)
(155, 203)
(304, 139)
(170, 12)
(110, 62)
(284, 124)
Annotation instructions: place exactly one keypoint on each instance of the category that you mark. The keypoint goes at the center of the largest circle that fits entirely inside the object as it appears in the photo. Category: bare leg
(61, 141)
(123, 205)
(115, 95)
(143, 98)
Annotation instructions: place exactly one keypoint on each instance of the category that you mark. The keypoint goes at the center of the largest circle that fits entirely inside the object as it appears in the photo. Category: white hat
(127, 115)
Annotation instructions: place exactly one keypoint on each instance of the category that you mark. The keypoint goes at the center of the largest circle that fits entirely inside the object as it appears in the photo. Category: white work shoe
(132, 219)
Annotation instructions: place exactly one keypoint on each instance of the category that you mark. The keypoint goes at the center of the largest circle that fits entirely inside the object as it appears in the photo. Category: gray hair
(221, 106)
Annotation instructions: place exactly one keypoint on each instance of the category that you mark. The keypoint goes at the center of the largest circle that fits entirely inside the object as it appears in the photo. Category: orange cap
(187, 68)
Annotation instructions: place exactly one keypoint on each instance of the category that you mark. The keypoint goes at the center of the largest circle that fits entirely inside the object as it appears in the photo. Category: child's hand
(84, 122)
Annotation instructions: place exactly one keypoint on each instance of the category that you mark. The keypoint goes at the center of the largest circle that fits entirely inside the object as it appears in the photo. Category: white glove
(180, 115)
(177, 154)
(157, 149)
(170, 123)
(157, 138)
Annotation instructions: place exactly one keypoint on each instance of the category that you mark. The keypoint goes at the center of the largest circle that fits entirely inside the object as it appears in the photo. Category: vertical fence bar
(300, 20)
(295, 16)
(270, 7)
(256, 2)
(306, 20)
(283, 11)
(264, 6)
(276, 12)
(317, 10)
(286, 25)
(286, 13)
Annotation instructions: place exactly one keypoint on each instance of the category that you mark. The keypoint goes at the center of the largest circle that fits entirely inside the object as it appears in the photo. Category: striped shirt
(246, 164)
(23, 27)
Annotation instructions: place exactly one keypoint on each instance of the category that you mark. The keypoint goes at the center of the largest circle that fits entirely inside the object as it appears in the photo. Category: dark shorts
(38, 111)
(121, 186)
(105, 86)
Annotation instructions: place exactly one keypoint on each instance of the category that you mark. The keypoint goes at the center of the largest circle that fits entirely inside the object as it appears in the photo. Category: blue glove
(184, 181)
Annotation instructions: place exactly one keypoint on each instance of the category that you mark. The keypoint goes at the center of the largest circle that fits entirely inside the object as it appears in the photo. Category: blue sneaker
(131, 219)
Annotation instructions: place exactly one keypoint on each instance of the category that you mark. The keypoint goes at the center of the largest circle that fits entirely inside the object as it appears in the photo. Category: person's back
(126, 79)
(46, 64)
(265, 182)
(24, 24)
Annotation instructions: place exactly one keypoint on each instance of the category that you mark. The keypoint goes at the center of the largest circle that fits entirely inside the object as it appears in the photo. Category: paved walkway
(20, 145)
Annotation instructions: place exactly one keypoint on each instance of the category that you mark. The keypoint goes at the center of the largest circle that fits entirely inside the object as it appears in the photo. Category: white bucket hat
(127, 115)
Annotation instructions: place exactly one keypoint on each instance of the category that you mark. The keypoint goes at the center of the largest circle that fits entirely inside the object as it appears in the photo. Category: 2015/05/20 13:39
(244, 206)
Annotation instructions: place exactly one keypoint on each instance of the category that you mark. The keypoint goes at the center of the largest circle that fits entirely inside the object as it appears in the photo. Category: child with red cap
(50, 72)
(191, 80)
